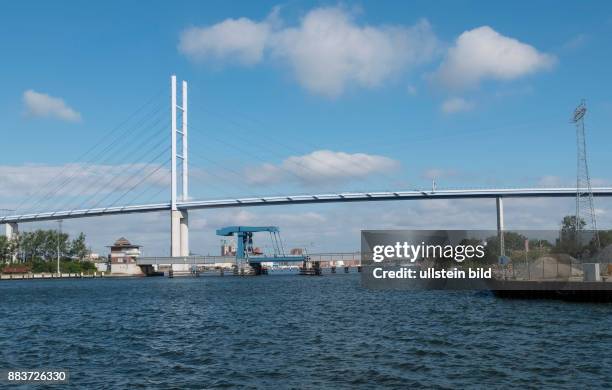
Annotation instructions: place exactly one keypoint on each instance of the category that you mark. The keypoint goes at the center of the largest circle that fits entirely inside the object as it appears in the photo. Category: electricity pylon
(585, 208)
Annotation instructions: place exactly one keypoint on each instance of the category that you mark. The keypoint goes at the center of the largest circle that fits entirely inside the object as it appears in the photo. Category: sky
(301, 97)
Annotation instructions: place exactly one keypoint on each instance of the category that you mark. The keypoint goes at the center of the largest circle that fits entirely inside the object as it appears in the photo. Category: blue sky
(406, 90)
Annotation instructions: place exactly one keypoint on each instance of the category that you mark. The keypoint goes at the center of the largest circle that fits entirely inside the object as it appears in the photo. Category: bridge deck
(210, 260)
(302, 199)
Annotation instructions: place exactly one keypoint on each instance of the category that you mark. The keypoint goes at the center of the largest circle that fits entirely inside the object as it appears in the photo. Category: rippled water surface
(287, 331)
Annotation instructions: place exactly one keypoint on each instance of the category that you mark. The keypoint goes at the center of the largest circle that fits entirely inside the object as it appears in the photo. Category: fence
(560, 267)
(326, 259)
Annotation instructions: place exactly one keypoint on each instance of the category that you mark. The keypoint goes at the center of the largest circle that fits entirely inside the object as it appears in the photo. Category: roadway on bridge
(302, 199)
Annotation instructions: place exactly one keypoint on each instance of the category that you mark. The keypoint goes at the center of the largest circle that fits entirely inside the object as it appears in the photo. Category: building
(123, 251)
(122, 257)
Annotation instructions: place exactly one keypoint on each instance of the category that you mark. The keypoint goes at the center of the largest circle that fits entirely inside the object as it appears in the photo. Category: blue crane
(245, 251)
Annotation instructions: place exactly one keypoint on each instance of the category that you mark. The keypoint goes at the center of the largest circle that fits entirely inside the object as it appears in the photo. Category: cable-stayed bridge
(106, 189)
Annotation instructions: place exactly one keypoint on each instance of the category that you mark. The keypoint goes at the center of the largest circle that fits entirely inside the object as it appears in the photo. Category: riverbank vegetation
(38, 251)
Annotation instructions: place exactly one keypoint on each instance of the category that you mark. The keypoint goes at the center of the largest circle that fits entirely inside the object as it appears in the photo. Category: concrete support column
(11, 232)
(185, 234)
(179, 234)
(500, 225)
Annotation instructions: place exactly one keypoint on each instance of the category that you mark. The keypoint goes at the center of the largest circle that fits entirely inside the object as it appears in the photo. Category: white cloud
(326, 52)
(43, 105)
(453, 105)
(251, 217)
(483, 53)
(240, 39)
(84, 180)
(552, 181)
(322, 166)
(329, 50)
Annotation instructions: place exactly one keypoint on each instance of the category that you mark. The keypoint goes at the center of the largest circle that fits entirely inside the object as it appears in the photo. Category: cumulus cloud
(43, 105)
(249, 217)
(329, 50)
(326, 52)
(483, 53)
(84, 180)
(453, 105)
(322, 166)
(242, 40)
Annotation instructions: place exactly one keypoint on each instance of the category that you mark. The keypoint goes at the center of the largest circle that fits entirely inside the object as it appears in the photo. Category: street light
(59, 222)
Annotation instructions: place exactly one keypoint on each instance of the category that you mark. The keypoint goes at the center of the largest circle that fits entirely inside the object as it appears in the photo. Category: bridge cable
(238, 126)
(92, 148)
(87, 167)
(91, 179)
(112, 179)
(140, 182)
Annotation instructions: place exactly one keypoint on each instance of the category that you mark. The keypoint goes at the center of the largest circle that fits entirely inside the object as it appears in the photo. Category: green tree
(568, 240)
(537, 244)
(512, 242)
(78, 249)
(43, 245)
(568, 224)
(605, 238)
(4, 249)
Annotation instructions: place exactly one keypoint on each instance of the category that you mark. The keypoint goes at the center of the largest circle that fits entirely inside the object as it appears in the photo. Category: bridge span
(552, 192)
(179, 231)
(180, 203)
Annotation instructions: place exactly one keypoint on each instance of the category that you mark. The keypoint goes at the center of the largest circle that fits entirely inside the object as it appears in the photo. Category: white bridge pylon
(179, 219)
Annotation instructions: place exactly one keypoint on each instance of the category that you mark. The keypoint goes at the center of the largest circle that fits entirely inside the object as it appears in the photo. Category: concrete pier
(12, 232)
(179, 231)
(500, 224)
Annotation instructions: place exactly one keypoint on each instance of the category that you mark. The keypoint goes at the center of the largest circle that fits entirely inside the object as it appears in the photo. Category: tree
(78, 249)
(605, 238)
(569, 224)
(8, 248)
(568, 241)
(538, 243)
(4, 249)
(43, 245)
(512, 242)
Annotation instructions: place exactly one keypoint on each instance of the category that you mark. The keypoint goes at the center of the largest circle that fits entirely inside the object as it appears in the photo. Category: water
(286, 331)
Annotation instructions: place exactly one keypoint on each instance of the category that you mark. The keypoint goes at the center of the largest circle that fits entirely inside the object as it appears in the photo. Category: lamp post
(59, 233)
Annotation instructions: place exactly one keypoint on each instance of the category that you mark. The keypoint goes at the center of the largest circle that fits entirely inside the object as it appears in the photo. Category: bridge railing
(189, 260)
(326, 259)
